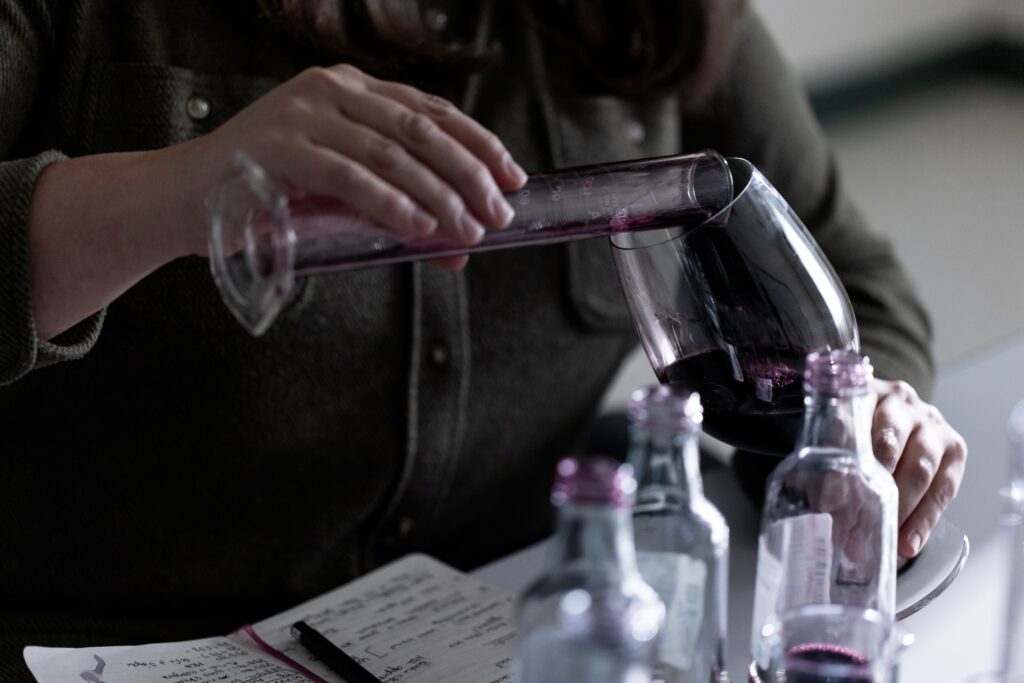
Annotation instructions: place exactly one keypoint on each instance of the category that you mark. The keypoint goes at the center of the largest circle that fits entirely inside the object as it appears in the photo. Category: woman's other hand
(925, 455)
(410, 161)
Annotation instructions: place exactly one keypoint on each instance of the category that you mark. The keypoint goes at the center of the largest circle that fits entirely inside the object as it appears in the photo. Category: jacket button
(198, 108)
(439, 356)
(406, 525)
(436, 20)
(634, 131)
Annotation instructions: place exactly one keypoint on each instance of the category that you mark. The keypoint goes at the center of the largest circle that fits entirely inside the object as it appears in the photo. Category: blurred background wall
(830, 40)
(923, 102)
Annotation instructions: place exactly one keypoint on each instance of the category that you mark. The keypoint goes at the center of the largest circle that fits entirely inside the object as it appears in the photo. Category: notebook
(415, 620)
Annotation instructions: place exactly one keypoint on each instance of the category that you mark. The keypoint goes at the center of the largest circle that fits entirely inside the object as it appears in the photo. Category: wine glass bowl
(731, 308)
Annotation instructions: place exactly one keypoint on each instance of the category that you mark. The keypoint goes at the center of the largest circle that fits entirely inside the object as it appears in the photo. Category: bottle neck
(666, 463)
(596, 538)
(839, 421)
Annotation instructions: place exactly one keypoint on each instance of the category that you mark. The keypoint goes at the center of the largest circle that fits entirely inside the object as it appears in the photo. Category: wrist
(183, 218)
(97, 225)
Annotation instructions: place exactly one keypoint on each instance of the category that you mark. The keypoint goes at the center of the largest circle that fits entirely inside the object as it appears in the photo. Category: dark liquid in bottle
(822, 663)
(755, 403)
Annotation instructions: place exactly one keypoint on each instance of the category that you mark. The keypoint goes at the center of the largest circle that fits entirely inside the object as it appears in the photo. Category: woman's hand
(410, 161)
(926, 456)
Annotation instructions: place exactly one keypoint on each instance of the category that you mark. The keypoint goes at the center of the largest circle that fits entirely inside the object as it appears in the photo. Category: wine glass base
(934, 570)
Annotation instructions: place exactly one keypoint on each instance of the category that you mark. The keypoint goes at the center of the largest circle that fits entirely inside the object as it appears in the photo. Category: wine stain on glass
(822, 663)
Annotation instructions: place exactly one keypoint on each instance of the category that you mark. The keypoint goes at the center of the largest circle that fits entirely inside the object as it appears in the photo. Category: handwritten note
(195, 661)
(413, 621)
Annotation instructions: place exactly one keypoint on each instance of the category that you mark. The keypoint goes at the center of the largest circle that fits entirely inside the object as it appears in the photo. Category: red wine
(820, 663)
(752, 402)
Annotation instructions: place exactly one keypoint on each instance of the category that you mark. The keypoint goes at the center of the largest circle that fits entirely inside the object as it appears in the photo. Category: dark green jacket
(163, 475)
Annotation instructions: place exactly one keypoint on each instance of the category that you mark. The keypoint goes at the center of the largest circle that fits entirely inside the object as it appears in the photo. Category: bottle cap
(595, 480)
(664, 406)
(836, 371)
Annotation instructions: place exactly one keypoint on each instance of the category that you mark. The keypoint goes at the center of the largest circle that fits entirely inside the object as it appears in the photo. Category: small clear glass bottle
(682, 540)
(829, 526)
(590, 616)
(1012, 665)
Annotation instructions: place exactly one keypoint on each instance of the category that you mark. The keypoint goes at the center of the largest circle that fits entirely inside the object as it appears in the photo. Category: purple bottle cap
(594, 480)
(836, 370)
(661, 405)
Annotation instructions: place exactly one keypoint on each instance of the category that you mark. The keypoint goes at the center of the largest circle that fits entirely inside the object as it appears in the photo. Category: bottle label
(679, 581)
(798, 573)
(766, 592)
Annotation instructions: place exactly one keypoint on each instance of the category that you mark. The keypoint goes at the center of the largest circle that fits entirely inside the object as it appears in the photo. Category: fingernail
(472, 231)
(500, 209)
(915, 542)
(423, 221)
(515, 170)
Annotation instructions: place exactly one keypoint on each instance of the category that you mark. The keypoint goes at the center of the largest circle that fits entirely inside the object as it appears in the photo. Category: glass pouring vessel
(262, 237)
(731, 307)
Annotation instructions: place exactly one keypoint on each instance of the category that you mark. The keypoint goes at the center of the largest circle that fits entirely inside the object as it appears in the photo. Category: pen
(330, 654)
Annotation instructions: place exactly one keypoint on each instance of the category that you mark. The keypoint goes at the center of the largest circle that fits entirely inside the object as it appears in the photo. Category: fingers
(943, 487)
(479, 141)
(393, 163)
(325, 172)
(917, 468)
(894, 420)
(410, 162)
(423, 146)
(462, 171)
(926, 456)
(861, 540)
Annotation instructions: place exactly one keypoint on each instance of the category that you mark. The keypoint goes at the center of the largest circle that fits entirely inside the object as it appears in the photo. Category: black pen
(330, 654)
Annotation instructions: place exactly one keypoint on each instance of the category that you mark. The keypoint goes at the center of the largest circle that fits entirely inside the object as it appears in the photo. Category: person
(166, 476)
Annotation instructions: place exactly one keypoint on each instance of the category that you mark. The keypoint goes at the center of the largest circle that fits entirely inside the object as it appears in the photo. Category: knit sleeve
(760, 112)
(25, 32)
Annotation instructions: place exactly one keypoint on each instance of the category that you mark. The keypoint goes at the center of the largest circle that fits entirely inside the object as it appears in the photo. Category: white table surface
(959, 633)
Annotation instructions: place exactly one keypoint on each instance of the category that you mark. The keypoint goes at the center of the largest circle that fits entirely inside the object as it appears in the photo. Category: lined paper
(210, 660)
(413, 621)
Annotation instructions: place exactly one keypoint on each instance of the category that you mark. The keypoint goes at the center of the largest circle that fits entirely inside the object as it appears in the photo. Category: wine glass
(731, 308)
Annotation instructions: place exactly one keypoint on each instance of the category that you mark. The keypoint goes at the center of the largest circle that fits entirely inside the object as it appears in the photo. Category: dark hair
(631, 47)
